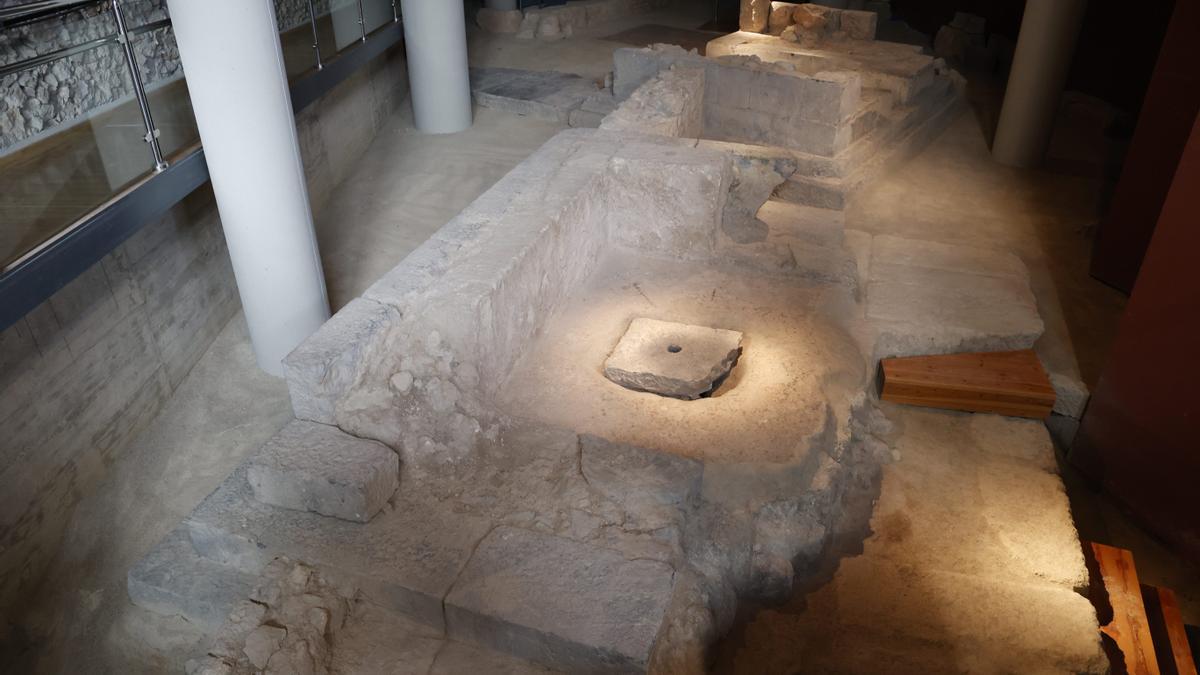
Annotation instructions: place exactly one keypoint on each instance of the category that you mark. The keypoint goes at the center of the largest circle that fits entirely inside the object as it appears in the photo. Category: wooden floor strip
(1006, 383)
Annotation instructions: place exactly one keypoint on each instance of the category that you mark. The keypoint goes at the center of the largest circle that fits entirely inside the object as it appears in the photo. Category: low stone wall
(37, 101)
(672, 104)
(748, 101)
(82, 373)
(412, 362)
(556, 23)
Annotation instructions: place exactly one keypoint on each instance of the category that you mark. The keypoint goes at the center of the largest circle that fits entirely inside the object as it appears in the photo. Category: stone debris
(319, 468)
(673, 359)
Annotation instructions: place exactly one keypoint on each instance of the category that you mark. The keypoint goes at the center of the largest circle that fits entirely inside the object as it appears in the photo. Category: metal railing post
(139, 91)
(312, 19)
(362, 22)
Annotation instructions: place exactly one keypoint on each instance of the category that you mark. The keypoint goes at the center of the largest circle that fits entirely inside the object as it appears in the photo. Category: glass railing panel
(80, 140)
(296, 34)
(376, 14)
(347, 29)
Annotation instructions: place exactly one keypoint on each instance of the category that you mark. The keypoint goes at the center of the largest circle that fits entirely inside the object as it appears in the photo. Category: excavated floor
(773, 407)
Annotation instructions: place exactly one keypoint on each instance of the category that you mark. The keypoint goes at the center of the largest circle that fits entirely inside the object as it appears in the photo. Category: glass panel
(296, 38)
(377, 13)
(170, 105)
(346, 28)
(73, 137)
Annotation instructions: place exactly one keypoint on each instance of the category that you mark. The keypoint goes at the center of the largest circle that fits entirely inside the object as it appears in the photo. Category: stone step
(560, 602)
(317, 467)
(406, 558)
(172, 579)
(541, 597)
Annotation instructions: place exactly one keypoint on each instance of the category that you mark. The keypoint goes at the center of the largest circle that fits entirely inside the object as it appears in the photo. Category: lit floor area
(948, 476)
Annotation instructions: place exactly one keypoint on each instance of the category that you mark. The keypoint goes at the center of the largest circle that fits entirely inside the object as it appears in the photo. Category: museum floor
(408, 185)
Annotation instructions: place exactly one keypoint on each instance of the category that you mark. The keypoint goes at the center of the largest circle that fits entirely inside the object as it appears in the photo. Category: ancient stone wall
(83, 372)
(749, 101)
(35, 101)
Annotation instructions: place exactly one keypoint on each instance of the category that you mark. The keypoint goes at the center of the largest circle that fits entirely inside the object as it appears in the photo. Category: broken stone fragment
(811, 17)
(673, 359)
(754, 15)
(263, 642)
(781, 17)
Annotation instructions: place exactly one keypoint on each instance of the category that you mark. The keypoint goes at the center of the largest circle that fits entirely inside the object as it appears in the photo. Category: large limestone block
(926, 297)
(319, 468)
(1010, 627)
(321, 370)
(173, 580)
(560, 602)
(859, 25)
(754, 15)
(671, 199)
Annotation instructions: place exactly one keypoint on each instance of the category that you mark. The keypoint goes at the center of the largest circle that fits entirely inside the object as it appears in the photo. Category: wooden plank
(1006, 383)
(1168, 630)
(1129, 628)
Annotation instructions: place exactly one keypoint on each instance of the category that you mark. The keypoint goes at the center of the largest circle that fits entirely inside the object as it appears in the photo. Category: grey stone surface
(932, 298)
(405, 559)
(319, 468)
(560, 602)
(672, 359)
(629, 474)
(669, 105)
(173, 580)
(321, 370)
(542, 94)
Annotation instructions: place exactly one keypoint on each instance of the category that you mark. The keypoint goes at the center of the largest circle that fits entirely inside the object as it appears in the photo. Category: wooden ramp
(1005, 383)
(1143, 622)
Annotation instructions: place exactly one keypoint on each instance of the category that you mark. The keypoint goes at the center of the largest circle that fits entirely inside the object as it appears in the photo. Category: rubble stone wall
(37, 101)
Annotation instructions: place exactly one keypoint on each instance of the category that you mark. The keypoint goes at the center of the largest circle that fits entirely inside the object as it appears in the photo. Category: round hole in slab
(674, 349)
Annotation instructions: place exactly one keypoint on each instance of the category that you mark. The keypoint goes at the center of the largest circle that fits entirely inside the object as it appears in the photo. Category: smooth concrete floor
(406, 187)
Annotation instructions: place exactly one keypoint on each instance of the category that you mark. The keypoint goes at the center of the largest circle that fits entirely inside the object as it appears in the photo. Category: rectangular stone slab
(566, 604)
(672, 359)
(320, 468)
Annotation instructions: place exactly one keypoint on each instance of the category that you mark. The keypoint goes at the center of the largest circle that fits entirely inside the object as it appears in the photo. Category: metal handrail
(49, 8)
(59, 54)
(41, 9)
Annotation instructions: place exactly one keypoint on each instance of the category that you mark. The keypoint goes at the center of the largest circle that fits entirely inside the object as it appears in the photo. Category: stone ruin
(459, 459)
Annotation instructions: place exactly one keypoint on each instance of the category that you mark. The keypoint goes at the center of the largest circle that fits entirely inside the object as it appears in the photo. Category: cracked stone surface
(673, 359)
(319, 468)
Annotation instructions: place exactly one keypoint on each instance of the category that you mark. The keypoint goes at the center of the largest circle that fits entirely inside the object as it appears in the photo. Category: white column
(234, 67)
(435, 38)
(1049, 31)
